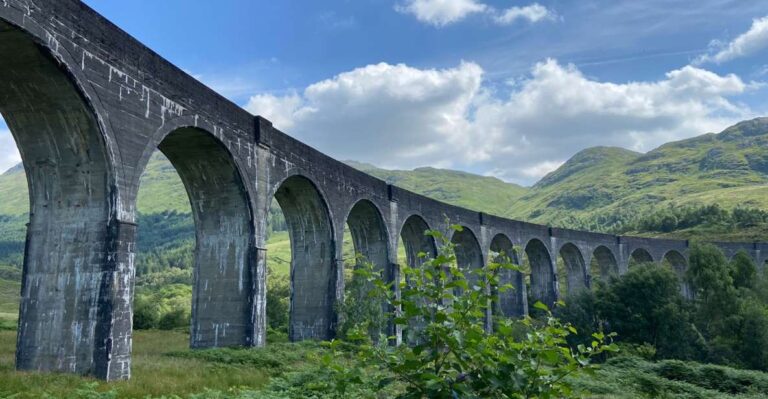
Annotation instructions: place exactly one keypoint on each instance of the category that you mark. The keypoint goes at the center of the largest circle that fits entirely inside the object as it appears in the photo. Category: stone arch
(575, 268)
(313, 264)
(223, 289)
(677, 262)
(640, 255)
(77, 273)
(604, 264)
(415, 241)
(469, 256)
(543, 284)
(511, 303)
(370, 241)
(369, 235)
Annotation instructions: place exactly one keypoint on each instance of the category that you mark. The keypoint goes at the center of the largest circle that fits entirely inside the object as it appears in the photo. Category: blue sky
(504, 88)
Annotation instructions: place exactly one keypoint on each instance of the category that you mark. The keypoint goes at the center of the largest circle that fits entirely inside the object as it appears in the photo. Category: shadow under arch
(604, 264)
(371, 244)
(575, 269)
(416, 241)
(77, 273)
(313, 265)
(511, 302)
(469, 256)
(369, 236)
(677, 262)
(542, 275)
(639, 256)
(223, 290)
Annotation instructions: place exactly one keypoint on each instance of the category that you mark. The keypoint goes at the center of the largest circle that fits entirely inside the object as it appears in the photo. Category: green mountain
(487, 194)
(729, 169)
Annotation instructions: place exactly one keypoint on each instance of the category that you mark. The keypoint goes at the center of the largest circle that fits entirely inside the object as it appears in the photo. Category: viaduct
(88, 104)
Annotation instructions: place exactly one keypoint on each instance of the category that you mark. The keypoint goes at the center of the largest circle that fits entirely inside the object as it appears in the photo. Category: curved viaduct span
(87, 105)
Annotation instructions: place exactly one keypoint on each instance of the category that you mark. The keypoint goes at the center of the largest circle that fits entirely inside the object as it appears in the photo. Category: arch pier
(88, 105)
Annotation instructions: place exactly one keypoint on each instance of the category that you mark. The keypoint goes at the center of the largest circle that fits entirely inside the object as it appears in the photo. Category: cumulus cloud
(444, 12)
(9, 154)
(398, 116)
(532, 13)
(749, 42)
(440, 12)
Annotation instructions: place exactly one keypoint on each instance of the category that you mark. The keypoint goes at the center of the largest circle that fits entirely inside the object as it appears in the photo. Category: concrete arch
(223, 297)
(76, 286)
(469, 255)
(575, 268)
(370, 236)
(605, 260)
(511, 303)
(313, 263)
(679, 265)
(543, 283)
(640, 255)
(415, 240)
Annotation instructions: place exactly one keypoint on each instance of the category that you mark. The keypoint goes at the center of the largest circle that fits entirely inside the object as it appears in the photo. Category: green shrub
(452, 353)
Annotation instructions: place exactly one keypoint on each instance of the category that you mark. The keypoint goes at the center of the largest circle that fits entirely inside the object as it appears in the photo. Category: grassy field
(162, 365)
(154, 372)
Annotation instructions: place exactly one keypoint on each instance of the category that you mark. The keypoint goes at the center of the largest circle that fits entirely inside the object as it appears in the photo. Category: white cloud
(539, 170)
(440, 12)
(9, 154)
(749, 42)
(404, 117)
(531, 13)
(444, 12)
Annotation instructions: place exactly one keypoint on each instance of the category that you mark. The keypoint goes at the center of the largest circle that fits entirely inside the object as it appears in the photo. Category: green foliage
(165, 308)
(726, 322)
(360, 306)
(278, 301)
(743, 270)
(645, 306)
(450, 352)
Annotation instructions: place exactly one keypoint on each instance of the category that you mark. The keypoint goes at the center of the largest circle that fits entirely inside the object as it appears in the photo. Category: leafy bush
(165, 308)
(451, 353)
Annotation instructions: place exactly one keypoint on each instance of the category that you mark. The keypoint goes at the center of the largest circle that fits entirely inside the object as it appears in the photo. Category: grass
(162, 365)
(629, 377)
(154, 371)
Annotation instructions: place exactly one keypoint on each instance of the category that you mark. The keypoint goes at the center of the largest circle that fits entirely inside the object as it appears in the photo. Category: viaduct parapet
(88, 104)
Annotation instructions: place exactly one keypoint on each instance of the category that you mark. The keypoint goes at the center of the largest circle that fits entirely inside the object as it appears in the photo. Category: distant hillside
(728, 169)
(487, 194)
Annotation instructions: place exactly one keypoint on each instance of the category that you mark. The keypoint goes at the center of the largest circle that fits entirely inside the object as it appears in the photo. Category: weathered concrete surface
(88, 105)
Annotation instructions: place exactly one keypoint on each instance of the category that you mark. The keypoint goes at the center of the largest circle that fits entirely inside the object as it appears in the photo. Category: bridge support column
(77, 292)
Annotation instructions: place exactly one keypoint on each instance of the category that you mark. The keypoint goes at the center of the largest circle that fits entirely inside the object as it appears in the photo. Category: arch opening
(222, 280)
(414, 242)
(313, 272)
(677, 263)
(574, 274)
(542, 276)
(640, 256)
(368, 234)
(511, 303)
(72, 235)
(469, 256)
(603, 265)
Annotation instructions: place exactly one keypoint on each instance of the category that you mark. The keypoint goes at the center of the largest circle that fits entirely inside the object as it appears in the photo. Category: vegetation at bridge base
(448, 350)
(726, 321)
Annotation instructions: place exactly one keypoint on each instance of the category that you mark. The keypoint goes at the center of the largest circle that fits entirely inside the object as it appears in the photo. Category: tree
(645, 306)
(743, 270)
(453, 354)
(716, 297)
